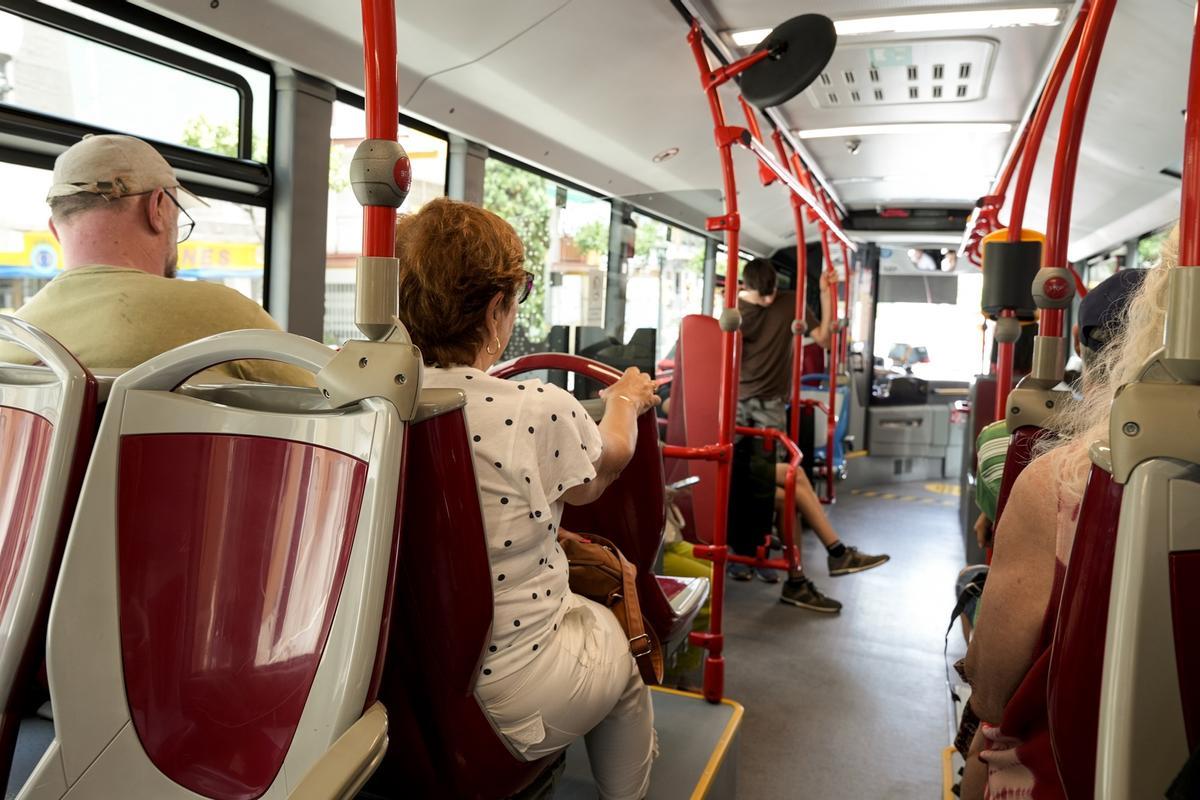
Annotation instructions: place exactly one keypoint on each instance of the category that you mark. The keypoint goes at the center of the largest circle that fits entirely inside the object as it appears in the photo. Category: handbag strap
(643, 641)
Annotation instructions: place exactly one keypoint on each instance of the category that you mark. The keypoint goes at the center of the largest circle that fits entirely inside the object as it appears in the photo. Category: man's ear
(54, 229)
(1075, 339)
(155, 215)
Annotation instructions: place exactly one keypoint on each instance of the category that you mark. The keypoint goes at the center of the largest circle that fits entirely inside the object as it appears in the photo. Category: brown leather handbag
(599, 572)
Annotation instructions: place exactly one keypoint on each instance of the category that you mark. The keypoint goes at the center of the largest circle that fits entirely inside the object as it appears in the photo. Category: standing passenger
(117, 210)
(558, 666)
(767, 337)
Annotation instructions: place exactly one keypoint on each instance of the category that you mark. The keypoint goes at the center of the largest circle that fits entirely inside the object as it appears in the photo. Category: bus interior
(644, 151)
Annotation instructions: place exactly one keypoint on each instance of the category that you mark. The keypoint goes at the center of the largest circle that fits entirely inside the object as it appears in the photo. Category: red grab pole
(1066, 160)
(1037, 126)
(383, 111)
(801, 292)
(1189, 210)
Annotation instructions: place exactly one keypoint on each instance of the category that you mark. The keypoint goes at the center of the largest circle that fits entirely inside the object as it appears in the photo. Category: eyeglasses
(185, 228)
(529, 277)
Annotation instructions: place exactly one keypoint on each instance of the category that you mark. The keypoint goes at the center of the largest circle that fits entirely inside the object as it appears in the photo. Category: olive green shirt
(117, 318)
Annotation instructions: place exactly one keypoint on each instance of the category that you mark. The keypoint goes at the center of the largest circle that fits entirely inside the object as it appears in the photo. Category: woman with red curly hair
(558, 666)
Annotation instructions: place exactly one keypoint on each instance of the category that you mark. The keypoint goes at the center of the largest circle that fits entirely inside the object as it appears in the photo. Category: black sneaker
(739, 571)
(801, 592)
(854, 561)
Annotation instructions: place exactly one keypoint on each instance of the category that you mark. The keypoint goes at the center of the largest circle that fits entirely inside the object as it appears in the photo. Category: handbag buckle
(649, 646)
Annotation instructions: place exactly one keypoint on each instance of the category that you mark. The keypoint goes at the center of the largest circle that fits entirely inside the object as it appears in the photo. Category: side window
(344, 221)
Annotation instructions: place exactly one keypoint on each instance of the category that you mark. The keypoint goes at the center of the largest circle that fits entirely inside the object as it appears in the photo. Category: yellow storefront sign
(42, 252)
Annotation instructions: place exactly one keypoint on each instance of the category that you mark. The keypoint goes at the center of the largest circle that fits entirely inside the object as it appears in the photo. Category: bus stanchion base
(714, 678)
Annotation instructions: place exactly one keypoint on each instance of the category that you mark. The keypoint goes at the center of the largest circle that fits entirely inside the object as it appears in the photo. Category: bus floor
(852, 705)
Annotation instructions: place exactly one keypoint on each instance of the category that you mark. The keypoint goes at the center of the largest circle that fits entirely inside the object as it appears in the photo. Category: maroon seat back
(632, 511)
(442, 743)
(1076, 656)
(693, 419)
(1020, 453)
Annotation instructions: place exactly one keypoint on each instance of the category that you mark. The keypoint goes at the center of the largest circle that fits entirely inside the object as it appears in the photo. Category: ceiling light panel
(976, 20)
(908, 128)
(904, 73)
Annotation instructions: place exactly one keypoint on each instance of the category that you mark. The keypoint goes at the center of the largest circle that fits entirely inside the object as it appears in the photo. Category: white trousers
(583, 683)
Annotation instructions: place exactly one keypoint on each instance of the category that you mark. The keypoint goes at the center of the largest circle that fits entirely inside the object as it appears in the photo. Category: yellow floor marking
(908, 499)
(943, 488)
(889, 497)
(870, 494)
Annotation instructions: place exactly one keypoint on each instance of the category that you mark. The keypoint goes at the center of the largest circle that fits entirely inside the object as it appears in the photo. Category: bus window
(51, 71)
(666, 280)
(343, 240)
(915, 311)
(29, 254)
(565, 232)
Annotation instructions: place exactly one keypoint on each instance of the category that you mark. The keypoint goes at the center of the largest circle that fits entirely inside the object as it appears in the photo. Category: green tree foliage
(222, 138)
(592, 237)
(522, 199)
(651, 236)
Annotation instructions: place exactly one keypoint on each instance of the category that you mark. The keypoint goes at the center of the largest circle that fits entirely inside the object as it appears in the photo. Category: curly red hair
(454, 257)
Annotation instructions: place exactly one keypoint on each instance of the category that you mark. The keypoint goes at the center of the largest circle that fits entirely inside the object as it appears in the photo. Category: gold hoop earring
(491, 351)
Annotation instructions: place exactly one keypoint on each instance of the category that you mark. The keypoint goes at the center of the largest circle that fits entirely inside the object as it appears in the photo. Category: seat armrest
(354, 757)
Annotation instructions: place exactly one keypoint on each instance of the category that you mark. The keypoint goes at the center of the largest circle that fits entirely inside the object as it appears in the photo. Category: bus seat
(632, 512)
(1020, 453)
(693, 419)
(47, 424)
(445, 746)
(215, 627)
(1124, 680)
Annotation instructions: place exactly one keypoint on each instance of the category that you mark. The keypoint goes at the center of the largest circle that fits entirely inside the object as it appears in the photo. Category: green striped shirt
(991, 447)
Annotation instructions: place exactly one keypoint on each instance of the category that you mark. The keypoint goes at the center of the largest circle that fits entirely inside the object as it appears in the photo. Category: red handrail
(801, 292)
(1037, 126)
(383, 111)
(1066, 161)
(1004, 369)
(787, 534)
(1189, 210)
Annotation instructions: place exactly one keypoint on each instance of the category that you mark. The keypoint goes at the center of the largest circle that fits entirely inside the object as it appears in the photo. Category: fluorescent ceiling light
(928, 23)
(906, 128)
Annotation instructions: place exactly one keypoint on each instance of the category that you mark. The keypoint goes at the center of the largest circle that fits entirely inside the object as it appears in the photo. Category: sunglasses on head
(529, 277)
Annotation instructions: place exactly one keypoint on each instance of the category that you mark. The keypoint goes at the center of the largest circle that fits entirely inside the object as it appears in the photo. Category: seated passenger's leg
(843, 560)
(584, 682)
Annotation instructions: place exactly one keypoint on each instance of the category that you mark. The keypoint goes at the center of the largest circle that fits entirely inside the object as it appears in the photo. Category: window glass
(344, 219)
(50, 71)
(565, 233)
(666, 280)
(226, 245)
(1150, 247)
(946, 331)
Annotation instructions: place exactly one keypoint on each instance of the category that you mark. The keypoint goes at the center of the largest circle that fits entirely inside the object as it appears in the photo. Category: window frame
(358, 101)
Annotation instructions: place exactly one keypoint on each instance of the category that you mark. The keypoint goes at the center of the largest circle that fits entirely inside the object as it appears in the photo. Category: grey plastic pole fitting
(1182, 335)
(377, 298)
(1049, 359)
(1008, 330)
(731, 320)
(799, 328)
(1053, 287)
(380, 173)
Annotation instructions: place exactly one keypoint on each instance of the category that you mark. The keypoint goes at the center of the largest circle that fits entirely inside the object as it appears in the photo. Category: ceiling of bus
(593, 89)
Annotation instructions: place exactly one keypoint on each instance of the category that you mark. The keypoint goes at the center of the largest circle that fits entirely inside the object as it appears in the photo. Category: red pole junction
(382, 111)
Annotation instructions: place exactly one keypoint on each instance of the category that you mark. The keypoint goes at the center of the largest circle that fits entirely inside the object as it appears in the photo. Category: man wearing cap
(118, 211)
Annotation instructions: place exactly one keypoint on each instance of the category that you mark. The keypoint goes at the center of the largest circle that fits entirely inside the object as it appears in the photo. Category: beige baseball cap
(115, 166)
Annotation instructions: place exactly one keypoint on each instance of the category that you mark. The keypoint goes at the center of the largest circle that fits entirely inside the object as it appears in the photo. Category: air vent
(899, 71)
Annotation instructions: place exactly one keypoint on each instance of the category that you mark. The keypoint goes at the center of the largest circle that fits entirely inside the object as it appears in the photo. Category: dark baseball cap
(1100, 313)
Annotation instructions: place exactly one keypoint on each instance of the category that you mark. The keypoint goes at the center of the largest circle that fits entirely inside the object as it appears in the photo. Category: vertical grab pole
(800, 323)
(1004, 369)
(713, 641)
(1189, 208)
(383, 111)
(1066, 160)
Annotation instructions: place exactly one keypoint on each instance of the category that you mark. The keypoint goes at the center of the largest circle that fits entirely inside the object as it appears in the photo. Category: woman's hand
(635, 387)
(571, 536)
(824, 282)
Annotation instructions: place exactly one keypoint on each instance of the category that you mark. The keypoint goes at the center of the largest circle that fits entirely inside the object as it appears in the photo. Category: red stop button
(1056, 288)
(402, 173)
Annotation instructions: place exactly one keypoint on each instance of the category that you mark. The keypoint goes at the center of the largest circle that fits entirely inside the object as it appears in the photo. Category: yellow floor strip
(718, 754)
(948, 773)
